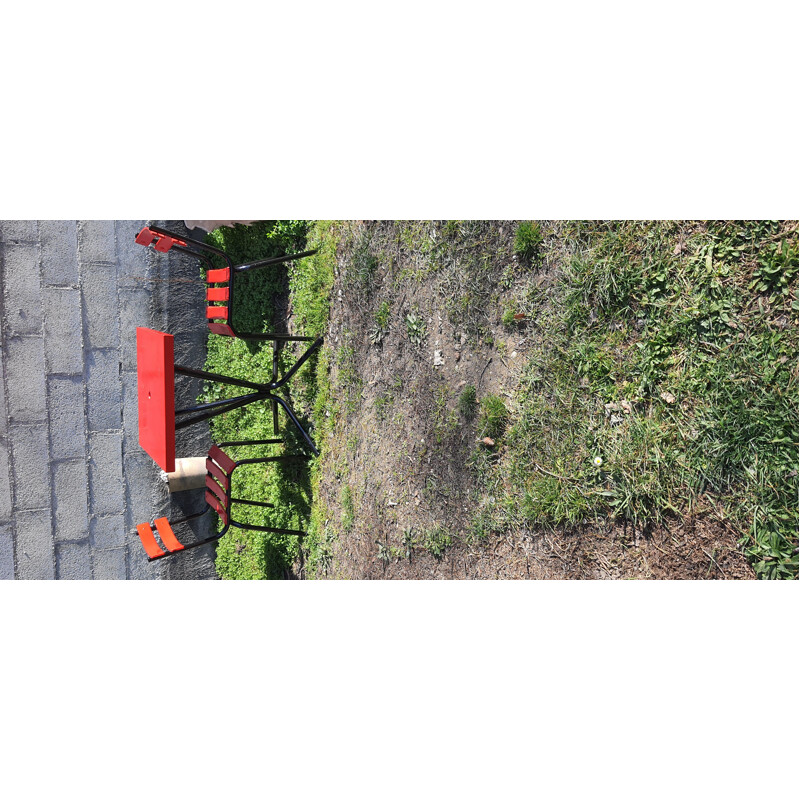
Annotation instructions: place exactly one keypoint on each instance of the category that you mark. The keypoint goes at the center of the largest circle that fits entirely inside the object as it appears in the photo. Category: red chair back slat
(214, 470)
(151, 546)
(223, 460)
(220, 328)
(215, 504)
(217, 312)
(218, 294)
(217, 489)
(167, 535)
(218, 275)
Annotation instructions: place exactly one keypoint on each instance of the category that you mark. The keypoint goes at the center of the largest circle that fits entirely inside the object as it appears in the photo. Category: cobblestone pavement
(73, 480)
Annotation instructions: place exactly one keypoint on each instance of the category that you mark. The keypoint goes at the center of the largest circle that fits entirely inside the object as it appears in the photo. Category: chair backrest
(218, 289)
(218, 482)
(216, 314)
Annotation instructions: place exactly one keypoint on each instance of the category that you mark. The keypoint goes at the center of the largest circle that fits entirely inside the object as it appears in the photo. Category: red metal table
(158, 418)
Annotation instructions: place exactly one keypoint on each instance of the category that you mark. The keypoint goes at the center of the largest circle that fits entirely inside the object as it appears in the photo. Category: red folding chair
(220, 282)
(219, 469)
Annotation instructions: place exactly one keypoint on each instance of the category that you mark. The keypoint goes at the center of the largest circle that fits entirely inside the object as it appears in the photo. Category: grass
(252, 554)
(466, 402)
(527, 239)
(493, 416)
(673, 355)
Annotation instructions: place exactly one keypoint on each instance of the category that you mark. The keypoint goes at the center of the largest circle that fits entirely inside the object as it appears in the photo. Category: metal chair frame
(219, 471)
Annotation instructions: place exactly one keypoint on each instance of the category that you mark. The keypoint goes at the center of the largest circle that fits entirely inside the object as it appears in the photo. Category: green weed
(416, 328)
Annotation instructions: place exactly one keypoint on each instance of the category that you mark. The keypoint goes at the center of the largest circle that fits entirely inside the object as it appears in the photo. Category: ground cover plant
(263, 304)
(534, 399)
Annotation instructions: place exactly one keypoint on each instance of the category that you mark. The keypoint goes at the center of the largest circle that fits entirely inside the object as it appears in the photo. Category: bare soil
(403, 449)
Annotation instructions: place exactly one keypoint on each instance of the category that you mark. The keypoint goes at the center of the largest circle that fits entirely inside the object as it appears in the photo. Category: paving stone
(5, 483)
(101, 306)
(109, 565)
(134, 262)
(103, 390)
(67, 417)
(139, 568)
(29, 466)
(3, 406)
(34, 545)
(73, 561)
(105, 474)
(25, 379)
(23, 289)
(96, 242)
(145, 495)
(6, 552)
(134, 309)
(130, 413)
(63, 331)
(70, 512)
(107, 532)
(59, 252)
(18, 230)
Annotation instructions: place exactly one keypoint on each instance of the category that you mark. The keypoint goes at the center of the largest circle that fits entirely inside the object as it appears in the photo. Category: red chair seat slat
(223, 460)
(217, 489)
(149, 542)
(217, 312)
(166, 534)
(164, 244)
(215, 504)
(218, 275)
(221, 293)
(223, 330)
(218, 474)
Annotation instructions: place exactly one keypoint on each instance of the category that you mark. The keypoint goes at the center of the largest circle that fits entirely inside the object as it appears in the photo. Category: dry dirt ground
(401, 450)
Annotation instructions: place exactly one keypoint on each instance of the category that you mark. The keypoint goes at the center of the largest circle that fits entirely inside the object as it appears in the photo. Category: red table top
(155, 368)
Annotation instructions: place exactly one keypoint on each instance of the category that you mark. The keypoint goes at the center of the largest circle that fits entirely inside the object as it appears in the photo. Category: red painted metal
(167, 535)
(216, 295)
(222, 459)
(156, 393)
(218, 275)
(217, 312)
(151, 546)
(223, 330)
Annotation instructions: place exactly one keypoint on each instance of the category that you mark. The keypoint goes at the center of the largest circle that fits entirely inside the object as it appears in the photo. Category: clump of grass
(527, 240)
(348, 511)
(493, 416)
(467, 402)
(359, 273)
